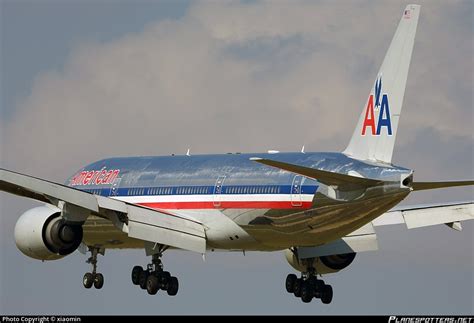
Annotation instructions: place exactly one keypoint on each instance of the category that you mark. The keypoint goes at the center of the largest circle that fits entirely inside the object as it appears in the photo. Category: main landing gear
(154, 278)
(94, 278)
(309, 286)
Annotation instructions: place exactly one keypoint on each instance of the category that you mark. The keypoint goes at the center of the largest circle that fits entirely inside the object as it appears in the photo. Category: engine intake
(41, 233)
(323, 264)
(338, 262)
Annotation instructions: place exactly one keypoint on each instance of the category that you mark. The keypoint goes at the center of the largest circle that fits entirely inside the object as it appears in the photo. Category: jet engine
(323, 264)
(41, 233)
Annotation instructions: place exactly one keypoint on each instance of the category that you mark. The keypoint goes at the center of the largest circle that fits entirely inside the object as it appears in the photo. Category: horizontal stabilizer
(419, 186)
(322, 176)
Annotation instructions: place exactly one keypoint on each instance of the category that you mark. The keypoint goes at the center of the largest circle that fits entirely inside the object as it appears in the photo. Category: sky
(85, 80)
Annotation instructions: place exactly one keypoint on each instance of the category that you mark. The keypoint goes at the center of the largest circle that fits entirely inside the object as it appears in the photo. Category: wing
(417, 216)
(138, 222)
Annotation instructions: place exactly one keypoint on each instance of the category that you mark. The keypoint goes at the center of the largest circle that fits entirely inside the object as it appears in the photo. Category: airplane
(320, 208)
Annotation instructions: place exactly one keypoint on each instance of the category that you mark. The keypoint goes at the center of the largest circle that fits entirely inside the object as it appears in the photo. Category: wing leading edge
(138, 222)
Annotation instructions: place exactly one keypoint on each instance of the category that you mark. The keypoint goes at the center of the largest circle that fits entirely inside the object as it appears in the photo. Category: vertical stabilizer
(374, 136)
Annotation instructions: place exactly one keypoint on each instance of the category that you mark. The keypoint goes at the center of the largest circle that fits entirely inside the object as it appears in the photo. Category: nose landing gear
(94, 278)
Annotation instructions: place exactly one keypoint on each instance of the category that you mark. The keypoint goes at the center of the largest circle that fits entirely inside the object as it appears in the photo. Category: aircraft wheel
(136, 274)
(173, 286)
(290, 283)
(88, 280)
(318, 288)
(152, 284)
(297, 288)
(326, 297)
(143, 279)
(98, 281)
(165, 276)
(306, 292)
(164, 279)
(320, 285)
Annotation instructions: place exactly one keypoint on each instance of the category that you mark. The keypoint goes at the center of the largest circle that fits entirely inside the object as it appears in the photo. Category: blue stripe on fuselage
(203, 190)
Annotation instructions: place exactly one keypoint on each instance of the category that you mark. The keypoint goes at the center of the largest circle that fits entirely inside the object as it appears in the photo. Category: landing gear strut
(94, 278)
(154, 278)
(309, 286)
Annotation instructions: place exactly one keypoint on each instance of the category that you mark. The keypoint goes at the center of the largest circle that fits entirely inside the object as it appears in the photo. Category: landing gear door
(218, 191)
(296, 191)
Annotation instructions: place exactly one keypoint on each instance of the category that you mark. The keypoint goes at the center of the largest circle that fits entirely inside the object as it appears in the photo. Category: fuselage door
(296, 191)
(218, 191)
(115, 186)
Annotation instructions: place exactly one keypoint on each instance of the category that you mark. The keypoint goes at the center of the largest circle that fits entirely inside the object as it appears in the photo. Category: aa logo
(382, 106)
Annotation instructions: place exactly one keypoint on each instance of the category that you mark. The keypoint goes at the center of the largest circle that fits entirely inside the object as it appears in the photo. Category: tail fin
(374, 136)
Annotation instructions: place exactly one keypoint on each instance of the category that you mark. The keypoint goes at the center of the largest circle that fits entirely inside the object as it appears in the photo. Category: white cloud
(202, 82)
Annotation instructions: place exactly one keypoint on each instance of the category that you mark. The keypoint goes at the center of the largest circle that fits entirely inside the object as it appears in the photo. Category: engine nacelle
(323, 264)
(41, 233)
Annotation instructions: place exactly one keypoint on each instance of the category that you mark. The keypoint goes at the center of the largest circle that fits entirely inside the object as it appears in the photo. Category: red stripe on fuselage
(227, 205)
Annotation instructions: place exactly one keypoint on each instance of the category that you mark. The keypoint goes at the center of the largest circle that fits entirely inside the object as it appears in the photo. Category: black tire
(152, 285)
(173, 286)
(142, 279)
(290, 283)
(164, 279)
(98, 281)
(136, 274)
(327, 294)
(318, 288)
(297, 288)
(165, 275)
(320, 285)
(312, 281)
(306, 292)
(88, 280)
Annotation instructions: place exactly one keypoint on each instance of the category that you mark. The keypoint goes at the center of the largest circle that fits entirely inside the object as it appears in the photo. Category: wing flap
(111, 204)
(149, 225)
